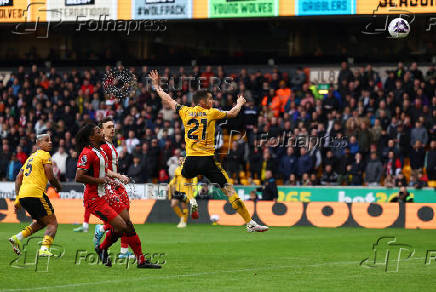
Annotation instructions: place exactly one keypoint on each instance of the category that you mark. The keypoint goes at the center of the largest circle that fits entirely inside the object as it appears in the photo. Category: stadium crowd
(364, 131)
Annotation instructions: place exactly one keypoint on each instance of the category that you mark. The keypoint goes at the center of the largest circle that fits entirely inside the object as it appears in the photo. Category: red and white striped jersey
(94, 161)
(112, 156)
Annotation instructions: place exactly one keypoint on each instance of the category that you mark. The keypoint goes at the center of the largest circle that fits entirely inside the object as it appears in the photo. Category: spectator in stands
(14, 167)
(314, 180)
(173, 163)
(270, 192)
(393, 165)
(5, 157)
(305, 180)
(364, 138)
(267, 164)
(60, 157)
(356, 170)
(292, 181)
(329, 159)
(305, 162)
(431, 161)
(71, 167)
(400, 180)
(132, 141)
(288, 163)
(329, 176)
(389, 181)
(233, 161)
(373, 170)
(345, 74)
(135, 171)
(415, 182)
(418, 133)
(417, 158)
(21, 155)
(341, 165)
(353, 145)
(124, 161)
(298, 79)
(30, 103)
(163, 176)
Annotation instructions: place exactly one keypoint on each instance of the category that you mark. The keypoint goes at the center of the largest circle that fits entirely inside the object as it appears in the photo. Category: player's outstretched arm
(166, 98)
(48, 169)
(237, 108)
(18, 182)
(82, 177)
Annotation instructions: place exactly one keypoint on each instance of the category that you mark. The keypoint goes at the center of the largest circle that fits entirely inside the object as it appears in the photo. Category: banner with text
(243, 8)
(325, 7)
(286, 193)
(162, 9)
(395, 6)
(319, 214)
(73, 10)
(22, 11)
(341, 194)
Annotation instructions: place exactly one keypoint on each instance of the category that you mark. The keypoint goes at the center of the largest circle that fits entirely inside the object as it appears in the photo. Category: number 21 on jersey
(195, 127)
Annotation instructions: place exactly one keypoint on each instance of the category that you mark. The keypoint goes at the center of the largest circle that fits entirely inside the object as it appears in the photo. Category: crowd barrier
(285, 193)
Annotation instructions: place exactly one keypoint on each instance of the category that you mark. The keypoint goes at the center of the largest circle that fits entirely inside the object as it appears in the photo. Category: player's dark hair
(82, 137)
(199, 95)
(104, 121)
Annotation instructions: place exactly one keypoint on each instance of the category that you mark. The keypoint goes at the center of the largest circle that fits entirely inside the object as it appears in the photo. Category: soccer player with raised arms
(30, 185)
(199, 122)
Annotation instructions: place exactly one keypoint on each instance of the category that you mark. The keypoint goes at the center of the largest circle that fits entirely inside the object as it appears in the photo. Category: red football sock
(124, 242)
(135, 245)
(111, 238)
(86, 216)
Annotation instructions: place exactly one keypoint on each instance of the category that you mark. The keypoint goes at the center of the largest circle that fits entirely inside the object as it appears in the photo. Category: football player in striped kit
(107, 127)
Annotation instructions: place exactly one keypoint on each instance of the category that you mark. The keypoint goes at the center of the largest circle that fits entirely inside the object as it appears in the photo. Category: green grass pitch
(218, 258)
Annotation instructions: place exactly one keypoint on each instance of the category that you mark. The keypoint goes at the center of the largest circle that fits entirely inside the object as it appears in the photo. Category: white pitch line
(187, 275)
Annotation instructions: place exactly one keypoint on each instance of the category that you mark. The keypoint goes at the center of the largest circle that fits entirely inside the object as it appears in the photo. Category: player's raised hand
(154, 75)
(241, 100)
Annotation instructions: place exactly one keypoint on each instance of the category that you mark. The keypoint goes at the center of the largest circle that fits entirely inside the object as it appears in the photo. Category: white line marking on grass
(188, 275)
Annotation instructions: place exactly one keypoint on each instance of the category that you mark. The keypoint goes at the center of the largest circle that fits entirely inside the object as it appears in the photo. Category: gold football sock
(27, 231)
(178, 211)
(239, 206)
(185, 215)
(46, 242)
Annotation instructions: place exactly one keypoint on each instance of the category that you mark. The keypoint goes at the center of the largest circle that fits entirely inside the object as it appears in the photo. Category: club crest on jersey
(83, 160)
